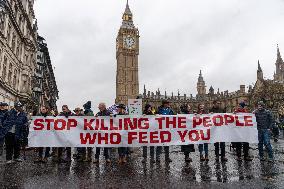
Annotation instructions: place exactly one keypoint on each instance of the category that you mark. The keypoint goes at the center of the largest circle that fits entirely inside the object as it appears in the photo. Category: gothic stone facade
(45, 92)
(270, 91)
(18, 45)
(127, 50)
(127, 85)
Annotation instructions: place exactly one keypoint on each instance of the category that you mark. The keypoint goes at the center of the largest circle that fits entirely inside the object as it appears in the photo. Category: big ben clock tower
(127, 51)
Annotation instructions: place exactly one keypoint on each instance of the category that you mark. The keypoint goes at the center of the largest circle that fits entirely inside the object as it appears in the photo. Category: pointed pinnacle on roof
(259, 67)
(279, 58)
(127, 9)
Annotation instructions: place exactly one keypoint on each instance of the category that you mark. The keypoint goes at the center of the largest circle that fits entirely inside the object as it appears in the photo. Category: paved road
(135, 174)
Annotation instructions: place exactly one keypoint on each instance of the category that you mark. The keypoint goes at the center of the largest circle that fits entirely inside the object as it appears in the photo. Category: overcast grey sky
(223, 38)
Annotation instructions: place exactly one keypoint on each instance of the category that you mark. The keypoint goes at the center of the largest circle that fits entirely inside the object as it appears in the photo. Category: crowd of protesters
(14, 127)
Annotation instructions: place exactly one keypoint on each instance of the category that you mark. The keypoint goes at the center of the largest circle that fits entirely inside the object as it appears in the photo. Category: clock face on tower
(129, 42)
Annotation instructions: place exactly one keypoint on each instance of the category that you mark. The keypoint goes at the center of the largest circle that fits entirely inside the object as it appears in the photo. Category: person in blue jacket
(14, 130)
(165, 109)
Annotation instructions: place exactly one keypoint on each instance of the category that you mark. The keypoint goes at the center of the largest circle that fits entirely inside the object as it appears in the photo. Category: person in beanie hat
(14, 130)
(242, 145)
(87, 109)
(88, 112)
(81, 151)
(264, 124)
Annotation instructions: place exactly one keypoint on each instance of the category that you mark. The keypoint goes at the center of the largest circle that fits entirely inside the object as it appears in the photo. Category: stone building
(270, 91)
(127, 51)
(18, 47)
(45, 90)
(26, 73)
(127, 85)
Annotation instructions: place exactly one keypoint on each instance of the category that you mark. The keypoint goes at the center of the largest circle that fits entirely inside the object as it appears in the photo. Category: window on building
(8, 34)
(2, 23)
(14, 43)
(15, 78)
(4, 71)
(18, 49)
(10, 74)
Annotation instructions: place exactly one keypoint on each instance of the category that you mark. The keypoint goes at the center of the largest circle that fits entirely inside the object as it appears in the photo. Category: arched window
(2, 22)
(15, 78)
(20, 22)
(16, 12)
(4, 71)
(18, 49)
(10, 73)
(8, 33)
(14, 43)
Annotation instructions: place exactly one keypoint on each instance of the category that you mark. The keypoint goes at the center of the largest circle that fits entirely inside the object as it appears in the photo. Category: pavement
(135, 174)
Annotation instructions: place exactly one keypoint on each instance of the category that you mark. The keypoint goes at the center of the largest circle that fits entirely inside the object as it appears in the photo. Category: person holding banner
(44, 111)
(242, 145)
(14, 130)
(165, 109)
(103, 112)
(3, 111)
(88, 112)
(202, 147)
(264, 125)
(122, 151)
(148, 111)
(81, 151)
(219, 145)
(66, 113)
(187, 149)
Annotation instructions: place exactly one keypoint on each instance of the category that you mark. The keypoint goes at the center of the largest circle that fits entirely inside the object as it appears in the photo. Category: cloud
(178, 38)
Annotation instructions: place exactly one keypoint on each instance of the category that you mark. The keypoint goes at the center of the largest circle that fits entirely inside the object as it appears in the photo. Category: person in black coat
(103, 112)
(66, 113)
(187, 149)
(219, 145)
(44, 111)
(148, 110)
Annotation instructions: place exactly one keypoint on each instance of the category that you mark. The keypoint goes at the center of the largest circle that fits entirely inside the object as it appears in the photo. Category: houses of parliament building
(127, 83)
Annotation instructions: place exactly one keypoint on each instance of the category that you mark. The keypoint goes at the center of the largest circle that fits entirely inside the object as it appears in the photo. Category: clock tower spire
(127, 51)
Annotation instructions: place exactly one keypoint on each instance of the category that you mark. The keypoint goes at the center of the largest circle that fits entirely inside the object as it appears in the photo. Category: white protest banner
(135, 131)
(135, 106)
